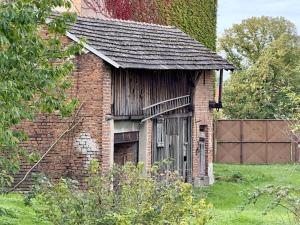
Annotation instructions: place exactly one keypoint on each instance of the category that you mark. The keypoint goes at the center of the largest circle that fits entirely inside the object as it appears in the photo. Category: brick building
(147, 94)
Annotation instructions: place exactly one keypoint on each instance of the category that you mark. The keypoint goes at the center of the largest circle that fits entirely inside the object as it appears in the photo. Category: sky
(234, 11)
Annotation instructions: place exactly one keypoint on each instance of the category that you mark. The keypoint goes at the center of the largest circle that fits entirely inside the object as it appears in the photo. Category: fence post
(214, 140)
(241, 141)
(267, 141)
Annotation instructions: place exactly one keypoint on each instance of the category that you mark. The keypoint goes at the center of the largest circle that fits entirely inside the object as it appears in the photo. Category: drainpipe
(218, 105)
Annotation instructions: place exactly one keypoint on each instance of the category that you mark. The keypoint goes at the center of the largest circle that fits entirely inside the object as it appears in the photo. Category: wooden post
(241, 141)
(267, 141)
(214, 140)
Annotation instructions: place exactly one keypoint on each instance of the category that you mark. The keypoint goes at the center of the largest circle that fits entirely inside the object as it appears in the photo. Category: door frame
(184, 138)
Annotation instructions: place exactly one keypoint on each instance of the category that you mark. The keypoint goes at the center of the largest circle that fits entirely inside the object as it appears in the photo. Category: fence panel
(254, 142)
(228, 153)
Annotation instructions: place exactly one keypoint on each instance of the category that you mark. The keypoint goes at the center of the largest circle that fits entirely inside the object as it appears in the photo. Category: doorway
(126, 148)
(172, 142)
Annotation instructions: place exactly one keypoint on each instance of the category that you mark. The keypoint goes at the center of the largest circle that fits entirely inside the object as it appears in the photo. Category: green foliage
(294, 119)
(268, 51)
(229, 193)
(7, 212)
(244, 43)
(236, 177)
(226, 196)
(14, 212)
(198, 18)
(123, 196)
(33, 71)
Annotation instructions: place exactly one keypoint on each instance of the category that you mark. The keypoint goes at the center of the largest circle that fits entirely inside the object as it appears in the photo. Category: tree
(269, 58)
(244, 43)
(34, 71)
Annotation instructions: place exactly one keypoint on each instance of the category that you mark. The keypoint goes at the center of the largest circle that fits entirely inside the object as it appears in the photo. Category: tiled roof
(146, 46)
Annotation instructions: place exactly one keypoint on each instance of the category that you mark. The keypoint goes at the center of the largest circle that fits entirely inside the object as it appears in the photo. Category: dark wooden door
(126, 152)
(172, 142)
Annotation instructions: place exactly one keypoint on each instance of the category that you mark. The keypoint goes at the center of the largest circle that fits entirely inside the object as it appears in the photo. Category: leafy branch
(34, 72)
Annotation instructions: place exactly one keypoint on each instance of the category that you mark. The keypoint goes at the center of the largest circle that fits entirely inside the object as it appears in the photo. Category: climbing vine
(195, 17)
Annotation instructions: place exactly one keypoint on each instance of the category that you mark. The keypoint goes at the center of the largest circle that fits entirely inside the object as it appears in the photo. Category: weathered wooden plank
(177, 144)
(135, 89)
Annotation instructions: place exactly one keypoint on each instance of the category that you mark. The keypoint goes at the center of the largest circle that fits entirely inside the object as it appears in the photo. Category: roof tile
(146, 46)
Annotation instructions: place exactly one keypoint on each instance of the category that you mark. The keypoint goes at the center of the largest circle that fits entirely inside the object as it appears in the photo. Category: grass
(227, 195)
(234, 182)
(14, 212)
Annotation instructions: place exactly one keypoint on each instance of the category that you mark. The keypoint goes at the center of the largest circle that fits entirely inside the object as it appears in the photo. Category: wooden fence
(254, 142)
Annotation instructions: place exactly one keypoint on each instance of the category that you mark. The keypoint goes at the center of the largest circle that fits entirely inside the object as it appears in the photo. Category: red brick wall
(90, 139)
(93, 137)
(107, 134)
(202, 116)
(149, 145)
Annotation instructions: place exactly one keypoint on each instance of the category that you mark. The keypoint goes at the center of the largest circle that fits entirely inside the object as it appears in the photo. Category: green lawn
(14, 212)
(226, 195)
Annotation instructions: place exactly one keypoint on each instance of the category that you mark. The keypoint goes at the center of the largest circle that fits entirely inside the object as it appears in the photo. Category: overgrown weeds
(122, 196)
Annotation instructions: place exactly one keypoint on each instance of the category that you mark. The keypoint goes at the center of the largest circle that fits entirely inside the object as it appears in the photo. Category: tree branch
(70, 128)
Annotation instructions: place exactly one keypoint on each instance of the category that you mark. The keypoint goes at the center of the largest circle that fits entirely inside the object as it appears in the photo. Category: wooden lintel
(136, 117)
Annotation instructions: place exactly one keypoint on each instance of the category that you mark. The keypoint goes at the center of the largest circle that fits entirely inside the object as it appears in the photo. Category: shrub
(123, 196)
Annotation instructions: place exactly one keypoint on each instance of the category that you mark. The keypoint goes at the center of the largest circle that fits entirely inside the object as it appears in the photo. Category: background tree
(33, 71)
(244, 43)
(267, 50)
